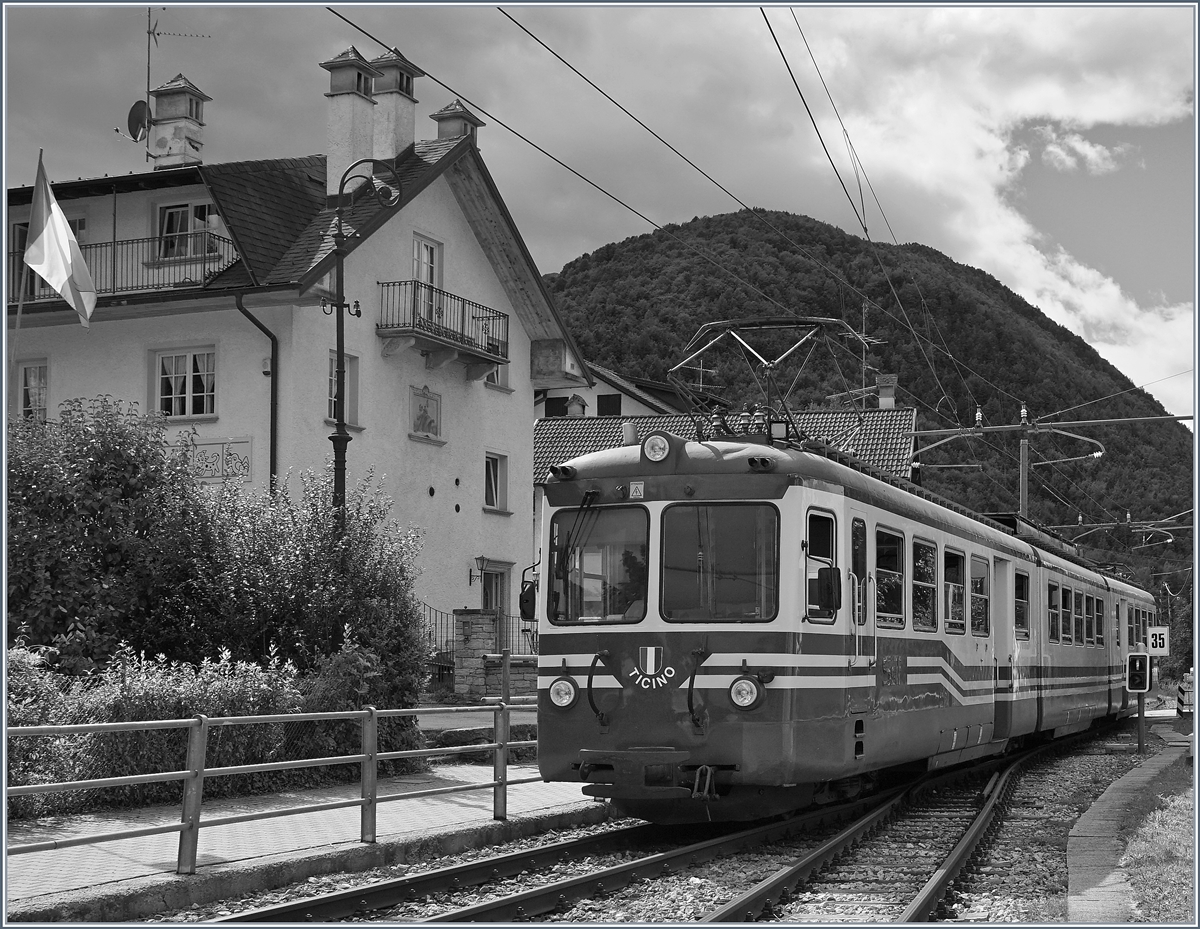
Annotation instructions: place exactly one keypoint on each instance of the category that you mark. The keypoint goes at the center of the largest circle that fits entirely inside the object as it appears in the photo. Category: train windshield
(720, 563)
(599, 570)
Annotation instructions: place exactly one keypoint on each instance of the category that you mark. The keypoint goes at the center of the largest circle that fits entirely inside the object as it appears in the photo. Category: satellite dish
(139, 120)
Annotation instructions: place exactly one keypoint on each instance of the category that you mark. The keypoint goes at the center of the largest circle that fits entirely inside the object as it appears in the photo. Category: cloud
(1067, 151)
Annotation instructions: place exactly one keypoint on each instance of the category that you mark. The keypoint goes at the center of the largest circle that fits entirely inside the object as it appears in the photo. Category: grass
(1160, 843)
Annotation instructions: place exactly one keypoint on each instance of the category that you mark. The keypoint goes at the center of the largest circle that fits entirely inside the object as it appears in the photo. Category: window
(924, 586)
(495, 482)
(187, 383)
(858, 567)
(889, 579)
(184, 228)
(1129, 618)
(1052, 611)
(33, 379)
(981, 617)
(1079, 617)
(498, 376)
(954, 585)
(1117, 622)
(720, 562)
(819, 553)
(556, 406)
(1089, 625)
(1021, 605)
(608, 405)
(196, 109)
(427, 272)
(1100, 621)
(406, 83)
(598, 565)
(1067, 624)
(350, 411)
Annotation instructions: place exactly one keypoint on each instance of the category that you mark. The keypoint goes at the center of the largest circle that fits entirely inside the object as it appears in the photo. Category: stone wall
(478, 668)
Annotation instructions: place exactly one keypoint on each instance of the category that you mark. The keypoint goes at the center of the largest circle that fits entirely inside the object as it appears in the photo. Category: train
(750, 622)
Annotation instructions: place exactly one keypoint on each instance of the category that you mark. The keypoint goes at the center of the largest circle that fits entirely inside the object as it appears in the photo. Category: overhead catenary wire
(500, 122)
(805, 252)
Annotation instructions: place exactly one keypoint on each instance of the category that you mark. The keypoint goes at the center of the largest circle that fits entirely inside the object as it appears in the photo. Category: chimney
(886, 384)
(456, 120)
(349, 131)
(178, 123)
(576, 406)
(396, 107)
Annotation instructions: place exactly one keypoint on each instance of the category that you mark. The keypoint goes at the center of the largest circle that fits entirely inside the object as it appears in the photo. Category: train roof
(822, 461)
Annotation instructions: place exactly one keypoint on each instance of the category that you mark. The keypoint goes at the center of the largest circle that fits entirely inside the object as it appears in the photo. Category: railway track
(883, 859)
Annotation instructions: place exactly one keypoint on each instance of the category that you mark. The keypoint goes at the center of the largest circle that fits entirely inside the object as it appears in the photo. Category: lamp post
(386, 197)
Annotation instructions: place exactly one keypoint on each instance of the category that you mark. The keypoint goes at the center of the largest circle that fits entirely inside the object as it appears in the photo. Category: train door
(862, 690)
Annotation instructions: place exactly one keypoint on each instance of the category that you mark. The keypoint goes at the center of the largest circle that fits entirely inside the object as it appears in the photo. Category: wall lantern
(481, 562)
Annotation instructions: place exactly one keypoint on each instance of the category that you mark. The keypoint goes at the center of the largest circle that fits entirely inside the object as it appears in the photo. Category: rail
(418, 307)
(167, 262)
(195, 772)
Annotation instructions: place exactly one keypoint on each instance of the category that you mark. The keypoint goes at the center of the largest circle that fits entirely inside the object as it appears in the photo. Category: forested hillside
(634, 305)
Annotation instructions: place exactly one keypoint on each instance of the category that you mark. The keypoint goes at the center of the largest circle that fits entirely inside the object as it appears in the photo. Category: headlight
(656, 447)
(746, 693)
(563, 692)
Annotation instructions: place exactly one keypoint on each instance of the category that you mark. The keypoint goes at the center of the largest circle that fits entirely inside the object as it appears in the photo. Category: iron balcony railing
(166, 262)
(421, 309)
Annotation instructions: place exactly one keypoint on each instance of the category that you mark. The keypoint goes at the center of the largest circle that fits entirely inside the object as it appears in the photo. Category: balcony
(441, 325)
(168, 262)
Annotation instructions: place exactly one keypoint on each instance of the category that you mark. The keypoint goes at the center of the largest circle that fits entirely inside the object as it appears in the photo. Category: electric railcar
(734, 628)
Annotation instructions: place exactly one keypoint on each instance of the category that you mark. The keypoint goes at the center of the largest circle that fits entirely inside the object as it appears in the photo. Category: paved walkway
(132, 878)
(1097, 888)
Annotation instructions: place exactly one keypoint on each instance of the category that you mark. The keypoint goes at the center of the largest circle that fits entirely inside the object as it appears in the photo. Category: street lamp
(386, 197)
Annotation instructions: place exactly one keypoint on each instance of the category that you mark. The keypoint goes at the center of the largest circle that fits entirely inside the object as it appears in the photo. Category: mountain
(956, 338)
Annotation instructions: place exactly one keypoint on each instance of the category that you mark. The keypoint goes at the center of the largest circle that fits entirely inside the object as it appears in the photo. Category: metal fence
(519, 636)
(178, 260)
(194, 771)
(422, 307)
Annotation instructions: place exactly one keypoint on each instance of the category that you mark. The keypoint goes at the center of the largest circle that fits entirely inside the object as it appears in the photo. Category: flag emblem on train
(650, 660)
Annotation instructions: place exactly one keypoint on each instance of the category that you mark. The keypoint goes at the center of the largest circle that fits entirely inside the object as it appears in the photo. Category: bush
(102, 534)
(136, 688)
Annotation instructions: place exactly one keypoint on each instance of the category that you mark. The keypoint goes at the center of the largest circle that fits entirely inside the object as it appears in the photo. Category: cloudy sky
(1054, 148)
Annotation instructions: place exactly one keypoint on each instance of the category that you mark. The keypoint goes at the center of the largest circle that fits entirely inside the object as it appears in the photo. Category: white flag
(53, 252)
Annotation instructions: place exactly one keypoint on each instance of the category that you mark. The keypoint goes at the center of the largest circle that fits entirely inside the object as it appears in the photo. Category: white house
(212, 283)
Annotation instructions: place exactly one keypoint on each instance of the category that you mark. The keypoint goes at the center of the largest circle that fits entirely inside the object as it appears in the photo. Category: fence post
(193, 796)
(370, 773)
(500, 769)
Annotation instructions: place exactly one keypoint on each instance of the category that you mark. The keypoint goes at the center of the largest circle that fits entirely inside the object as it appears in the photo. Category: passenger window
(1079, 617)
(954, 587)
(1052, 611)
(981, 616)
(1066, 616)
(924, 586)
(720, 562)
(819, 555)
(1089, 617)
(1021, 605)
(889, 580)
(1129, 621)
(858, 565)
(1100, 621)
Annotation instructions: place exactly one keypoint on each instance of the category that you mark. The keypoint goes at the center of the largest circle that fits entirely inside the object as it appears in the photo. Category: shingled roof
(882, 438)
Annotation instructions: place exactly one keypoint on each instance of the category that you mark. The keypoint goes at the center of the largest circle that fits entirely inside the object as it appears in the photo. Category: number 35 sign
(1158, 641)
